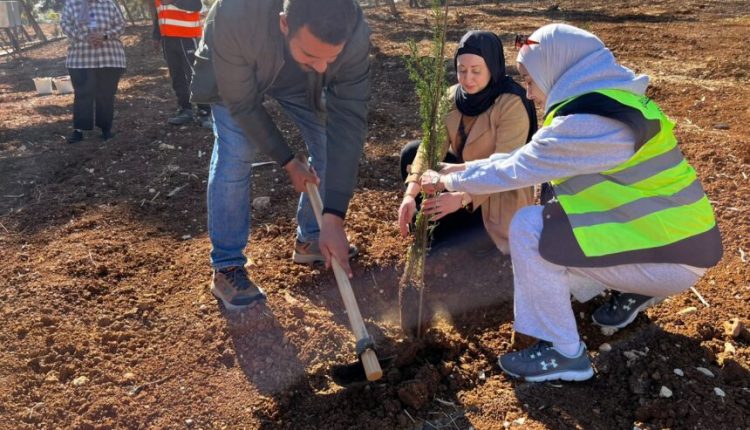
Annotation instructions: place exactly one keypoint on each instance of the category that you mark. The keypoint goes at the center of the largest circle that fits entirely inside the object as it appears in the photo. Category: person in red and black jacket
(178, 28)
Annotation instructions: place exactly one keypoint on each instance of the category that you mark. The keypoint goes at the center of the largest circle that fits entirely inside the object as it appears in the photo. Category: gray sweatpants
(542, 290)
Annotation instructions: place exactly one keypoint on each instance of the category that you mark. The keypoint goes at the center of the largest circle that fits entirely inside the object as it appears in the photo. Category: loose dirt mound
(107, 321)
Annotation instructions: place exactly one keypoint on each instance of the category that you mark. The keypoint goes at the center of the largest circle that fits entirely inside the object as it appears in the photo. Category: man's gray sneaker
(232, 286)
(622, 308)
(184, 116)
(309, 253)
(541, 362)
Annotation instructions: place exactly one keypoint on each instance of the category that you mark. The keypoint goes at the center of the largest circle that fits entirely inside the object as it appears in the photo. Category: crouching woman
(626, 213)
(490, 114)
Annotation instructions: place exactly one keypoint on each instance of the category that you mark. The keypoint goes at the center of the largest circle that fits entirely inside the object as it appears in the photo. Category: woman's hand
(96, 40)
(442, 205)
(446, 168)
(431, 182)
(406, 213)
(408, 207)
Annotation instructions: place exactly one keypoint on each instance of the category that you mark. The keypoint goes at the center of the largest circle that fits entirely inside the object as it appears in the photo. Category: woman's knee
(525, 226)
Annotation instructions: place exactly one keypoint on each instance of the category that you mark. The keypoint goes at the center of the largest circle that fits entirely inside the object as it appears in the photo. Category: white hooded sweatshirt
(566, 61)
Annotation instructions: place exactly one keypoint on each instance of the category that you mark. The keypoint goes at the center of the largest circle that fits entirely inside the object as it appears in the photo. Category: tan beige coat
(501, 128)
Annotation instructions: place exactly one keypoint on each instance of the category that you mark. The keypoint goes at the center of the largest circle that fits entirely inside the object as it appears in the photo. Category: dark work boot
(75, 137)
(107, 134)
(184, 116)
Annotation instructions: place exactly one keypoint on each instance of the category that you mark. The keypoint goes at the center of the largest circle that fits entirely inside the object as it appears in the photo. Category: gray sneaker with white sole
(622, 308)
(309, 253)
(541, 362)
(234, 288)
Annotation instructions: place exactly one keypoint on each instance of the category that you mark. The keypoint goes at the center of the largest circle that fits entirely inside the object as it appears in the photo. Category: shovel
(368, 360)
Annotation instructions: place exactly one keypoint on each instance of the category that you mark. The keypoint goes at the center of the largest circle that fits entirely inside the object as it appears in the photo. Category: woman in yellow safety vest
(623, 210)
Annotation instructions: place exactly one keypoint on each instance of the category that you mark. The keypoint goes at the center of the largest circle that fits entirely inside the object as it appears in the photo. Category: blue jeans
(230, 181)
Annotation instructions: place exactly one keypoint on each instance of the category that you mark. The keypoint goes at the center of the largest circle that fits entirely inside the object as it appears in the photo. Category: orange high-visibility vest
(176, 22)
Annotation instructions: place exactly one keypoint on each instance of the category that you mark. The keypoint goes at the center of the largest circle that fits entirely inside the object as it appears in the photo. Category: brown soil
(107, 321)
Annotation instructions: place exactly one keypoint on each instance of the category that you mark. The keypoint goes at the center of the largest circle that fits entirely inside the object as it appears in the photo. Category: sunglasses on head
(522, 41)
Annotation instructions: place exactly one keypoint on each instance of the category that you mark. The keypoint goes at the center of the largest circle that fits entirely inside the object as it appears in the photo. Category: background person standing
(95, 62)
(177, 29)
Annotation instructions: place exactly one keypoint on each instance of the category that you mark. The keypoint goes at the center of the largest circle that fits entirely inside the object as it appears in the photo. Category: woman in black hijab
(491, 114)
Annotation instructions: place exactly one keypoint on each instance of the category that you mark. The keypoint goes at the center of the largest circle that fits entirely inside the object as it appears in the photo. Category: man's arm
(238, 86)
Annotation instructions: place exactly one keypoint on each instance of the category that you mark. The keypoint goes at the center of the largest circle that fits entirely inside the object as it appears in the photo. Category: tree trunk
(127, 10)
(143, 11)
(25, 33)
(392, 5)
(16, 47)
(32, 21)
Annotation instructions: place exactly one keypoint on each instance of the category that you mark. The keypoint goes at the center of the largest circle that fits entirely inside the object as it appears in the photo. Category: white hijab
(567, 61)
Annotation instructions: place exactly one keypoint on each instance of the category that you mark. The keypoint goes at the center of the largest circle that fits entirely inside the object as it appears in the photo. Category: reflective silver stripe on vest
(640, 208)
(179, 22)
(171, 7)
(628, 176)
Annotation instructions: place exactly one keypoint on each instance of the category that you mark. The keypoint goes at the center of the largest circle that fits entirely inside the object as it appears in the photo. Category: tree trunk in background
(145, 11)
(151, 6)
(25, 33)
(127, 10)
(12, 41)
(392, 5)
(38, 30)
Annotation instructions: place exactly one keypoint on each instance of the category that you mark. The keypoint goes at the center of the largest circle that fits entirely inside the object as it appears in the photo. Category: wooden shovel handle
(369, 358)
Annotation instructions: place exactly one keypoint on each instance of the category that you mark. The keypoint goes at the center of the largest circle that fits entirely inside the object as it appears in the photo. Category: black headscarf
(488, 46)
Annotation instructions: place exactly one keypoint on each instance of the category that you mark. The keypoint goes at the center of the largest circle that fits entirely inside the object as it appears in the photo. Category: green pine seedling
(429, 76)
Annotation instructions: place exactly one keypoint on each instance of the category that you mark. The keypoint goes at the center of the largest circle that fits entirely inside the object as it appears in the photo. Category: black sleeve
(189, 5)
(156, 34)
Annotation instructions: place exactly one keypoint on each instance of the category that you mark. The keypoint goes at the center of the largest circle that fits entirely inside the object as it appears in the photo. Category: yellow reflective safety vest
(649, 209)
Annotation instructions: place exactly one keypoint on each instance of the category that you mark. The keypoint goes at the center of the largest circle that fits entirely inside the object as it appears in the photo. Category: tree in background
(46, 5)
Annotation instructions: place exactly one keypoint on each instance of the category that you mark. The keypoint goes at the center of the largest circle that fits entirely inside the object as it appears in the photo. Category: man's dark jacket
(240, 55)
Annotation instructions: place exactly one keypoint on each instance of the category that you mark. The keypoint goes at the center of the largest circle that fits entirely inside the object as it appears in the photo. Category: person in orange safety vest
(177, 29)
